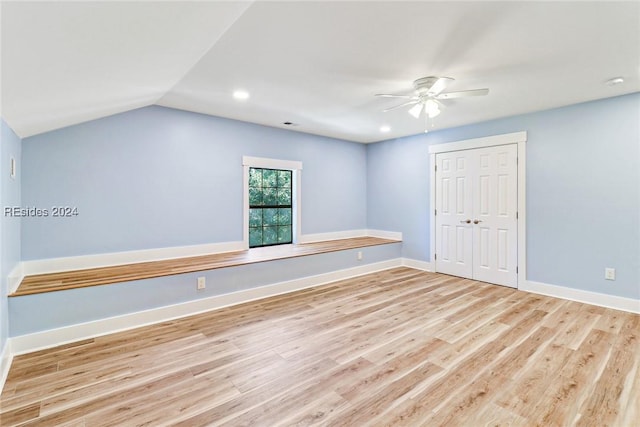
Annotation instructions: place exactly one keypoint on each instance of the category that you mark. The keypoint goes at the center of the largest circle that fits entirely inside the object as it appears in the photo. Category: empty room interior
(332, 213)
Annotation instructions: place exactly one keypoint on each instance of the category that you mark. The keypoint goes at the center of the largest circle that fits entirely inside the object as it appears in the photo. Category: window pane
(284, 234)
(269, 178)
(255, 196)
(284, 216)
(269, 235)
(255, 177)
(270, 216)
(255, 236)
(269, 196)
(284, 178)
(284, 196)
(255, 217)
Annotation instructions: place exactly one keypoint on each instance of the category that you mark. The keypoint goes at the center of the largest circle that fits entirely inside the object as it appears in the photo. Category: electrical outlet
(610, 273)
(202, 283)
(359, 256)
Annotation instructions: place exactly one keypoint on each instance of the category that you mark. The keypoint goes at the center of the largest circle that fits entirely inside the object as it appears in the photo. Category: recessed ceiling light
(384, 129)
(241, 95)
(614, 81)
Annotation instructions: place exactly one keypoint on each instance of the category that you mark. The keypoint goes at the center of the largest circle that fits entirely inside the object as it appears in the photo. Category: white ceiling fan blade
(391, 95)
(416, 110)
(400, 106)
(463, 93)
(439, 86)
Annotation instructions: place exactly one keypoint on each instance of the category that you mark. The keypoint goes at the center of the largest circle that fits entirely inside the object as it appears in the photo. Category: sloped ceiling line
(220, 35)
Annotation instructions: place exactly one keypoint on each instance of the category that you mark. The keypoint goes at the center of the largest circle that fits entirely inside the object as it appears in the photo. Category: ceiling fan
(428, 91)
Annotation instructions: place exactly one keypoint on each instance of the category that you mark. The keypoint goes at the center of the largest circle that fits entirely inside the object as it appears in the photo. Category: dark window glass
(255, 236)
(270, 195)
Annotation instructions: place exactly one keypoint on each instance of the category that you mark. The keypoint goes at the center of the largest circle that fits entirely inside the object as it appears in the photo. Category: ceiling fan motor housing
(424, 84)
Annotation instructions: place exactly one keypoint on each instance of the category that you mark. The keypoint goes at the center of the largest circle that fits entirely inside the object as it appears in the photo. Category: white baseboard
(579, 295)
(52, 265)
(417, 264)
(6, 357)
(46, 339)
(349, 234)
(335, 235)
(393, 235)
(15, 277)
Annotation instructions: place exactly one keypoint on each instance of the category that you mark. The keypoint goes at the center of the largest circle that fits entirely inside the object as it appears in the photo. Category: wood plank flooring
(40, 283)
(396, 348)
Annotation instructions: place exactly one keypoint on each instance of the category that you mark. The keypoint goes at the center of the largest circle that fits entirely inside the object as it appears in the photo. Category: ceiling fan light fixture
(431, 108)
(416, 110)
(427, 93)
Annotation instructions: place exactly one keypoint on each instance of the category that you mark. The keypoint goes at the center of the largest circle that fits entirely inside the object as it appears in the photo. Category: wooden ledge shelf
(41, 283)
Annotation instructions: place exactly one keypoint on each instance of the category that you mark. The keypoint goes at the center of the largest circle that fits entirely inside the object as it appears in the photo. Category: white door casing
(490, 177)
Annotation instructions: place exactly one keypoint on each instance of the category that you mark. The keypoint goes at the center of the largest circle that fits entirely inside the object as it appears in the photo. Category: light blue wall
(158, 177)
(398, 192)
(583, 191)
(9, 227)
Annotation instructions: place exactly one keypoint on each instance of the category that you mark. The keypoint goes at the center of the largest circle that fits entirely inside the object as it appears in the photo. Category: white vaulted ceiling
(317, 64)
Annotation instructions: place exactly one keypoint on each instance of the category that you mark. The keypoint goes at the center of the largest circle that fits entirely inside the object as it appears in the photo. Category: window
(270, 207)
(271, 201)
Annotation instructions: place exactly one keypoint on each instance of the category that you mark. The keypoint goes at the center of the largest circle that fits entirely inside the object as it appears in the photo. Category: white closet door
(495, 203)
(476, 208)
(454, 227)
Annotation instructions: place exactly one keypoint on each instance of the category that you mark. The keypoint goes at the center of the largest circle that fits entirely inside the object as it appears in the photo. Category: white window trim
(519, 138)
(262, 162)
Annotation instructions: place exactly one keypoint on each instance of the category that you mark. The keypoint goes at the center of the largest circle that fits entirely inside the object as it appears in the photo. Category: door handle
(477, 221)
(467, 221)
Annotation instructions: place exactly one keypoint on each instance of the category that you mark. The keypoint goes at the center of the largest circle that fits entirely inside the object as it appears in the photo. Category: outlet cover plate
(610, 273)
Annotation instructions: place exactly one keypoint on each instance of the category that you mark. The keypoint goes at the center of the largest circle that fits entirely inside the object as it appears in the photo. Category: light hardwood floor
(400, 347)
